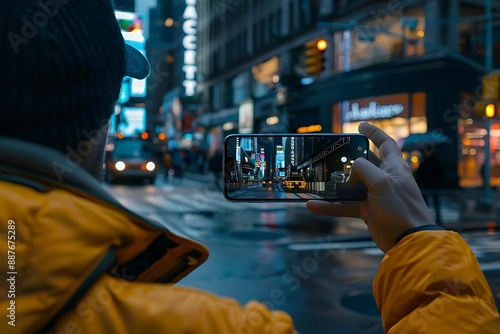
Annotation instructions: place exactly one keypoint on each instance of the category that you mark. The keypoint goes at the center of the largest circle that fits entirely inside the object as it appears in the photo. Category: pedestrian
(429, 281)
(429, 178)
(215, 166)
(177, 164)
(168, 166)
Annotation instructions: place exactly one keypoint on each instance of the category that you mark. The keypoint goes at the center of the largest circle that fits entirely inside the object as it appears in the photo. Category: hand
(394, 203)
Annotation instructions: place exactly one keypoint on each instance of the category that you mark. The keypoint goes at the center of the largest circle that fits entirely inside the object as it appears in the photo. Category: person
(79, 262)
(429, 176)
(177, 163)
(82, 263)
(215, 167)
(429, 280)
(167, 166)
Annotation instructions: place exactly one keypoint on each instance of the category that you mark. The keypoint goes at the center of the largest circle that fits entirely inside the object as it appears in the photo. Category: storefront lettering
(189, 42)
(372, 111)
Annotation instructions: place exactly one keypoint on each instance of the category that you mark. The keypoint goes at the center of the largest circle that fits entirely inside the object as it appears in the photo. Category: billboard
(131, 27)
(131, 121)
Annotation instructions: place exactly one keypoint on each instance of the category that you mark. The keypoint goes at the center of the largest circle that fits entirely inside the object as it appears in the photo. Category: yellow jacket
(431, 282)
(81, 263)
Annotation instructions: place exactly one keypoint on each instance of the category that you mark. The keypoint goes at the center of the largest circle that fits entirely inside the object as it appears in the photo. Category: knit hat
(62, 65)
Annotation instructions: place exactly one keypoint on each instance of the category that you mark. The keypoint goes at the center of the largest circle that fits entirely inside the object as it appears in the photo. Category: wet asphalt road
(318, 269)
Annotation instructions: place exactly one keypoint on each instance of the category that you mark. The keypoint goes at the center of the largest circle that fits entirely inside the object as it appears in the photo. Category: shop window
(407, 110)
(472, 134)
(240, 88)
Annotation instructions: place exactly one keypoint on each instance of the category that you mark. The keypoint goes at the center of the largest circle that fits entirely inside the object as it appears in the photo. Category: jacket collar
(49, 165)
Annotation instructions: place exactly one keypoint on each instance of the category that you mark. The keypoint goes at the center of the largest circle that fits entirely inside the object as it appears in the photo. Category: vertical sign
(238, 153)
(189, 42)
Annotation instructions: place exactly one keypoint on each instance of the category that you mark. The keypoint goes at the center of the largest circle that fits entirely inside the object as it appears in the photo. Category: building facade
(406, 66)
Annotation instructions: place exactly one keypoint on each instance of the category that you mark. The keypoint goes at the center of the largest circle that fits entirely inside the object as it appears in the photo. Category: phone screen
(292, 167)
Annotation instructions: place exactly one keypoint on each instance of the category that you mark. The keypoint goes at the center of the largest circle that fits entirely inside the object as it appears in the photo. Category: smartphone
(292, 167)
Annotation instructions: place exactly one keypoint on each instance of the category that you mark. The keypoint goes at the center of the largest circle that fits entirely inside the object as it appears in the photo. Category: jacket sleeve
(431, 282)
(118, 306)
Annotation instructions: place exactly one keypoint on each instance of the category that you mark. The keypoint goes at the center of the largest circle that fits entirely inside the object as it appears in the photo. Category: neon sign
(372, 111)
(189, 42)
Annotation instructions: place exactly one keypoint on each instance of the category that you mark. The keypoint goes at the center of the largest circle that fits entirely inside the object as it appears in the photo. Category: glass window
(377, 40)
(256, 37)
(240, 88)
(291, 16)
(305, 12)
(279, 22)
(471, 159)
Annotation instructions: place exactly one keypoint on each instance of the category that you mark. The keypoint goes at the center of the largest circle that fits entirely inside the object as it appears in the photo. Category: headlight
(150, 166)
(120, 165)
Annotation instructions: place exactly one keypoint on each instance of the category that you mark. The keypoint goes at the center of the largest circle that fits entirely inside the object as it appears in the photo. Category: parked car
(130, 159)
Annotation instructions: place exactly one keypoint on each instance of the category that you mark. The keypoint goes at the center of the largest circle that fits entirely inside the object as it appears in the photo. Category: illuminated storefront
(398, 114)
(472, 134)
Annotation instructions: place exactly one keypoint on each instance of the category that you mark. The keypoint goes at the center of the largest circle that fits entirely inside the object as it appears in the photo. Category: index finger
(382, 140)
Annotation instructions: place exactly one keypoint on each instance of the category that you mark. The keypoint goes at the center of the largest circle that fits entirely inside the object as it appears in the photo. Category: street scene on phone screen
(292, 167)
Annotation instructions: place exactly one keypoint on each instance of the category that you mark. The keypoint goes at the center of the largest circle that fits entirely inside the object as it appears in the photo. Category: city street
(318, 269)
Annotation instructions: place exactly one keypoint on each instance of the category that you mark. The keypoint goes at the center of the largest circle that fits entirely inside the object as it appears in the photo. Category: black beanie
(62, 64)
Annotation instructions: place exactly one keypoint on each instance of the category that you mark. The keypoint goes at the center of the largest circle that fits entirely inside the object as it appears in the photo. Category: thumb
(363, 171)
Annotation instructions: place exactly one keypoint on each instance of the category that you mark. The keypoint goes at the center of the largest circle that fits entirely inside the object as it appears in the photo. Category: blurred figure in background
(177, 164)
(215, 167)
(167, 166)
(429, 177)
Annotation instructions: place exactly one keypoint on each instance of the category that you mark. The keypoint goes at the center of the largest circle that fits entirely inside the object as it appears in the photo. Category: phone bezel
(284, 200)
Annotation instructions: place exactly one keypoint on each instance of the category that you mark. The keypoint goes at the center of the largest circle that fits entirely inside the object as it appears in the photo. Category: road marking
(308, 196)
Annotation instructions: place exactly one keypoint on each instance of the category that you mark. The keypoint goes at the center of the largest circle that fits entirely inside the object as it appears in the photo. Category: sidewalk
(471, 210)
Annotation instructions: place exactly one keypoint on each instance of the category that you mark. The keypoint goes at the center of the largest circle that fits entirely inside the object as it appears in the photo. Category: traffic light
(314, 51)
(487, 109)
(491, 86)
(489, 105)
